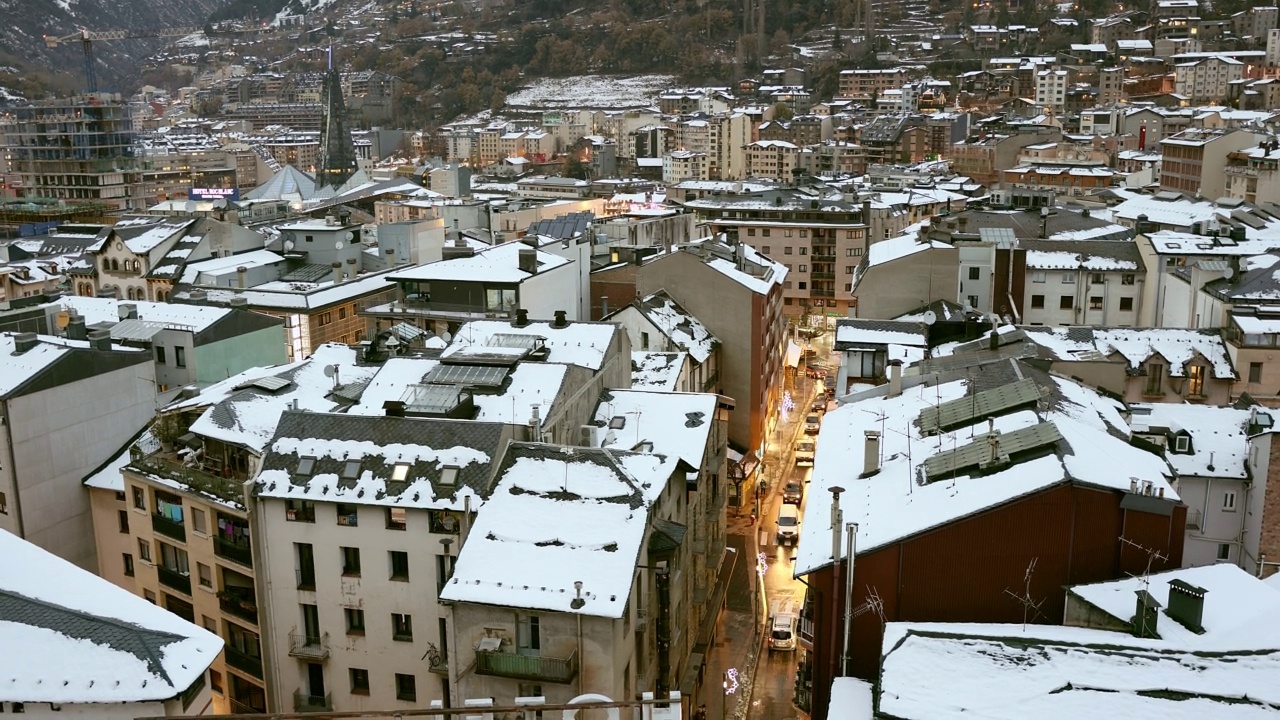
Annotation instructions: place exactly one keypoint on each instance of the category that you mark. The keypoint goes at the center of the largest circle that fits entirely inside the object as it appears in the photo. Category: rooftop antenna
(331, 371)
(1145, 578)
(1030, 608)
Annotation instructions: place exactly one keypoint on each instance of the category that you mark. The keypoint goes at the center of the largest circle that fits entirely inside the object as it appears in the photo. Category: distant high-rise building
(337, 160)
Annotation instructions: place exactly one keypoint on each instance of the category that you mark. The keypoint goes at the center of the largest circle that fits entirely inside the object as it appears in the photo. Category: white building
(76, 645)
(1207, 79)
(1051, 89)
(1096, 283)
(682, 165)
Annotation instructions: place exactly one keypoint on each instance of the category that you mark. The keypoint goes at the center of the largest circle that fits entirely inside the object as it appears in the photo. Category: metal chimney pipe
(850, 553)
(871, 453)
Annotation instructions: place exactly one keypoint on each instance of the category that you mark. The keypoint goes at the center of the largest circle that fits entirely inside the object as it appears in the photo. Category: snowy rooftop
(932, 482)
(1136, 346)
(373, 460)
(211, 268)
(72, 637)
(500, 264)
(97, 310)
(858, 333)
(896, 248)
(296, 295)
(557, 515)
(1067, 260)
(577, 343)
(243, 410)
(592, 91)
(770, 273)
(656, 370)
(1218, 445)
(142, 234)
(673, 424)
(682, 328)
(851, 699)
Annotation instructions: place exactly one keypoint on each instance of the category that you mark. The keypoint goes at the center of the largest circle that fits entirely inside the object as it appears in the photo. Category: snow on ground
(592, 91)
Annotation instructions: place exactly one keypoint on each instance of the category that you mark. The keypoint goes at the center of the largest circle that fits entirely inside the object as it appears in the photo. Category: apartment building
(729, 136)
(870, 84)
(773, 160)
(1081, 282)
(657, 324)
(1195, 160)
(371, 539)
(1051, 89)
(1207, 80)
(681, 165)
(1253, 173)
(1110, 86)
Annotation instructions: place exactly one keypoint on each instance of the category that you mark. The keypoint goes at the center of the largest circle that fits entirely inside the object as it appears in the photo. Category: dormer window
(400, 472)
(449, 475)
(306, 465)
(351, 470)
(1155, 379)
(1182, 444)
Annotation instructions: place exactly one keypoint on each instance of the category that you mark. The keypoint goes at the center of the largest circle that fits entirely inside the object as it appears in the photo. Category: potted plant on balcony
(167, 429)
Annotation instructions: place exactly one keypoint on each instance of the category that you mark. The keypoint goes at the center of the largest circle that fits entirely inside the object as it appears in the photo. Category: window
(128, 564)
(204, 574)
(347, 515)
(396, 519)
(786, 250)
(342, 313)
(1195, 380)
(355, 620)
(19, 707)
(1182, 444)
(399, 564)
(325, 318)
(1255, 372)
(848, 269)
(849, 234)
(406, 687)
(140, 498)
(144, 550)
(149, 596)
(1155, 379)
(305, 565)
(215, 681)
(764, 249)
(198, 521)
(804, 267)
(351, 561)
(1095, 278)
(1229, 501)
(975, 273)
(972, 300)
(764, 232)
(1037, 302)
(644, 341)
(159, 354)
(1068, 278)
(802, 285)
(786, 233)
(401, 627)
(1095, 302)
(804, 251)
(751, 232)
(1224, 552)
(804, 233)
(359, 681)
(1037, 277)
(124, 521)
(299, 510)
(444, 571)
(1065, 302)
(209, 624)
(849, 252)
(1126, 304)
(180, 357)
(1127, 279)
(449, 475)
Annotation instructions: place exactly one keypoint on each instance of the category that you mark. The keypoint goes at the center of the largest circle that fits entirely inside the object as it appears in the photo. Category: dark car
(793, 492)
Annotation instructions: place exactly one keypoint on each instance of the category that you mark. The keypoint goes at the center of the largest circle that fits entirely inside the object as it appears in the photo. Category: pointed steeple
(337, 159)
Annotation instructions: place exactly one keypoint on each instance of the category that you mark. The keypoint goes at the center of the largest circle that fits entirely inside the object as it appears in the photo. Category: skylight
(400, 473)
(449, 475)
(306, 465)
(351, 469)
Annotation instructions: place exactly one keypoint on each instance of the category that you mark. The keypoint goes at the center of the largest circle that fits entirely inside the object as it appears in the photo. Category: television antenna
(1030, 608)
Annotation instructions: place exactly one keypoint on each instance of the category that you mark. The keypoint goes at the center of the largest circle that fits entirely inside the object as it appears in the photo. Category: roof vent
(577, 602)
(23, 342)
(238, 301)
(197, 296)
(1186, 605)
(1146, 615)
(522, 318)
(100, 340)
(560, 321)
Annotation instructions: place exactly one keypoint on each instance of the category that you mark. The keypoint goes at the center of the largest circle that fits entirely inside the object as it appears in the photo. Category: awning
(794, 352)
(133, 329)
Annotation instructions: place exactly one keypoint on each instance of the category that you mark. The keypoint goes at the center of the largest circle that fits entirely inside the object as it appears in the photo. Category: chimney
(895, 378)
(522, 318)
(240, 276)
(337, 272)
(76, 329)
(239, 301)
(528, 260)
(740, 255)
(188, 391)
(962, 223)
(100, 340)
(560, 320)
(1146, 615)
(351, 268)
(1186, 605)
(871, 454)
(197, 296)
(393, 408)
(837, 521)
(23, 342)
(866, 212)
(130, 311)
(391, 257)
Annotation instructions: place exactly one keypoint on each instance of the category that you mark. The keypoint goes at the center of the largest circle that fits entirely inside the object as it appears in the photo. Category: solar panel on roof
(476, 375)
(434, 399)
(311, 272)
(967, 410)
(271, 383)
(514, 340)
(978, 454)
(1001, 236)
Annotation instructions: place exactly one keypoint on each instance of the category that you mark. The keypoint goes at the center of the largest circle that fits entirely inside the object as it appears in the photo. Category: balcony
(823, 257)
(168, 528)
(441, 310)
(822, 292)
(199, 480)
(304, 702)
(243, 661)
(1195, 519)
(232, 551)
(311, 647)
(822, 275)
(242, 605)
(174, 580)
(527, 667)
(437, 662)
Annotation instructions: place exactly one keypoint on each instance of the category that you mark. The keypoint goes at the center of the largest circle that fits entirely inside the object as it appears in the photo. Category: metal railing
(306, 702)
(314, 647)
(1195, 517)
(822, 275)
(527, 667)
(418, 308)
(232, 551)
(194, 478)
(243, 661)
(174, 579)
(240, 606)
(168, 528)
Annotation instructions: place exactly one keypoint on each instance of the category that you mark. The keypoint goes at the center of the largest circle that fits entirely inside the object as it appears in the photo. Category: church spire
(337, 160)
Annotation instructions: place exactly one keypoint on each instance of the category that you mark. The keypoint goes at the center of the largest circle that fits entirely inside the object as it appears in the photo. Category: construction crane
(87, 38)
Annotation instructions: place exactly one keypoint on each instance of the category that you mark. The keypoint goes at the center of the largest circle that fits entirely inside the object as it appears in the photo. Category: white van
(788, 524)
(782, 632)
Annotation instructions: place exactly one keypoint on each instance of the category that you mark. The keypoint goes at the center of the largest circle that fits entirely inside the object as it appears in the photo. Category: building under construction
(71, 151)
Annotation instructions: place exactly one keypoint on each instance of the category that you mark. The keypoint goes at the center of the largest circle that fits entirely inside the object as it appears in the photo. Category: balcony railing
(168, 528)
(174, 579)
(419, 308)
(822, 292)
(1194, 519)
(822, 275)
(233, 551)
(438, 663)
(527, 667)
(313, 647)
(194, 478)
(243, 661)
(305, 702)
(242, 606)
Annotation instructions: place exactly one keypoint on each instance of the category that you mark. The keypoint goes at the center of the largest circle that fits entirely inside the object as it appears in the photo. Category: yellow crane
(86, 39)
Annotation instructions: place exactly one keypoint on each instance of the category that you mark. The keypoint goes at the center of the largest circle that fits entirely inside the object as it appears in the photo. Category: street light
(724, 699)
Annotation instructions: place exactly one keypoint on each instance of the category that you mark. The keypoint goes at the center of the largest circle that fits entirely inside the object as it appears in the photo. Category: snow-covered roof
(656, 370)
(1218, 448)
(1137, 345)
(859, 333)
(72, 637)
(242, 413)
(902, 246)
(672, 424)
(95, 310)
(143, 237)
(500, 264)
(296, 295)
(108, 477)
(220, 265)
(683, 329)
(1080, 429)
(1064, 260)
(557, 515)
(577, 343)
(444, 461)
(851, 699)
(764, 273)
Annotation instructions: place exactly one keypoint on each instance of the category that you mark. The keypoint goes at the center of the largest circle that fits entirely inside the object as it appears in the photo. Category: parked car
(819, 404)
(815, 371)
(782, 632)
(805, 448)
(788, 524)
(812, 423)
(793, 492)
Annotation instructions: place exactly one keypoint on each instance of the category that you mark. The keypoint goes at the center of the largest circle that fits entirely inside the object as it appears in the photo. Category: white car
(812, 424)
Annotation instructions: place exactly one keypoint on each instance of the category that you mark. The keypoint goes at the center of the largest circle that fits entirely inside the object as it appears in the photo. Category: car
(812, 423)
(793, 492)
(782, 632)
(819, 404)
(788, 524)
(815, 371)
(805, 448)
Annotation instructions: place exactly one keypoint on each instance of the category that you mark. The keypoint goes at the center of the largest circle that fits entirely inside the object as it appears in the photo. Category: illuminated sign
(214, 193)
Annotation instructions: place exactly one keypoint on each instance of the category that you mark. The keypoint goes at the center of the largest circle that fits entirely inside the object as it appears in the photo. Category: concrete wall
(557, 289)
(579, 252)
(1217, 525)
(111, 543)
(893, 288)
(220, 360)
(1112, 289)
(60, 435)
